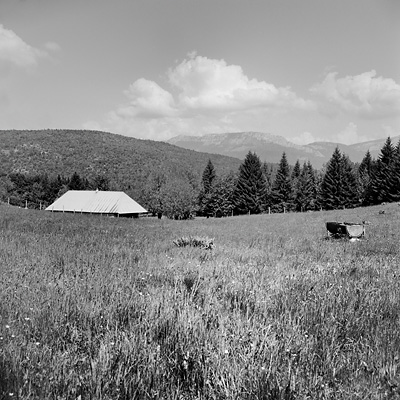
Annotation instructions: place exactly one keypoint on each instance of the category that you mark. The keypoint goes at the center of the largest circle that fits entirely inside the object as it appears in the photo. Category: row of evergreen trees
(342, 184)
(258, 188)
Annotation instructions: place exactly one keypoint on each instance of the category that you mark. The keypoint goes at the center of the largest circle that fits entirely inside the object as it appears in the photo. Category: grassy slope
(110, 308)
(125, 160)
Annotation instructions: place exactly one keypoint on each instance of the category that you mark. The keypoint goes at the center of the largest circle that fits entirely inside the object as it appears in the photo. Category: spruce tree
(349, 184)
(282, 187)
(76, 183)
(338, 187)
(296, 186)
(394, 181)
(296, 170)
(306, 189)
(380, 187)
(251, 187)
(208, 176)
(205, 195)
(311, 188)
(364, 176)
(267, 171)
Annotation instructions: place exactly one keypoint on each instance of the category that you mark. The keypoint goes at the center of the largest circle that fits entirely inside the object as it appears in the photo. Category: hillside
(270, 147)
(126, 161)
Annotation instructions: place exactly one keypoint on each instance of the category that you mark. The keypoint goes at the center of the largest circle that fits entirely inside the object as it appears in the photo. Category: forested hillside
(124, 160)
(127, 163)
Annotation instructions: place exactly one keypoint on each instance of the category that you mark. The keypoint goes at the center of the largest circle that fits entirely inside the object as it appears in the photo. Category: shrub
(204, 243)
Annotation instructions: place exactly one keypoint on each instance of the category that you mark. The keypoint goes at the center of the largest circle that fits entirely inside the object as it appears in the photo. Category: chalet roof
(94, 201)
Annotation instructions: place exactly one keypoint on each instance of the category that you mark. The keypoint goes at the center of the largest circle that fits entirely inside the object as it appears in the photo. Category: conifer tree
(76, 183)
(267, 171)
(338, 187)
(205, 195)
(366, 164)
(350, 192)
(296, 170)
(311, 188)
(282, 187)
(208, 176)
(394, 181)
(297, 179)
(251, 187)
(364, 176)
(380, 186)
(306, 191)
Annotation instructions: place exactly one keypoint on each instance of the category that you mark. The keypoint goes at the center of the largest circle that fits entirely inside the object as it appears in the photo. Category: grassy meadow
(107, 308)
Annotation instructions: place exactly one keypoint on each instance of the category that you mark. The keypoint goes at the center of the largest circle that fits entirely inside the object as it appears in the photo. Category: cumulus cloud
(207, 84)
(365, 95)
(148, 100)
(15, 51)
(206, 95)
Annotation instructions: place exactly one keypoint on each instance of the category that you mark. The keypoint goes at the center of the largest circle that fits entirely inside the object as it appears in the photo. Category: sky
(307, 70)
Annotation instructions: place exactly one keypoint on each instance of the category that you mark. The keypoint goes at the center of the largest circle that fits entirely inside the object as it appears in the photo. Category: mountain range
(271, 147)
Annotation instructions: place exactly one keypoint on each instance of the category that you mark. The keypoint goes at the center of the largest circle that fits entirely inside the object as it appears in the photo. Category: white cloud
(15, 51)
(206, 84)
(148, 100)
(210, 96)
(365, 95)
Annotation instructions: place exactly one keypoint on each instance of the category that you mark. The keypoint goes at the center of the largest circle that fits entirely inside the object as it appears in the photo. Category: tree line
(255, 188)
(40, 190)
(341, 184)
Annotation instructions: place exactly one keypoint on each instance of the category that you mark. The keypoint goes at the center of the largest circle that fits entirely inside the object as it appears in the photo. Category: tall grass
(103, 308)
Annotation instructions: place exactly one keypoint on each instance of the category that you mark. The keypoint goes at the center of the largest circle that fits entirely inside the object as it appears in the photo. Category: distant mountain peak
(237, 137)
(270, 147)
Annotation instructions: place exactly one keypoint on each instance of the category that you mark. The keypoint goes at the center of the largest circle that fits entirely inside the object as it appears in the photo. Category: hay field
(106, 308)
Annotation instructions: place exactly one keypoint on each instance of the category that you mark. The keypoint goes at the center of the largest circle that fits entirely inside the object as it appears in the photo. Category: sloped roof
(93, 201)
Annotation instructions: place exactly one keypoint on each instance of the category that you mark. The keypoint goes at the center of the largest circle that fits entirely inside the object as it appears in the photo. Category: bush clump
(204, 243)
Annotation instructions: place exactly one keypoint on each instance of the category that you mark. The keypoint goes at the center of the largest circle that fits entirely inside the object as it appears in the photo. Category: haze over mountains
(270, 147)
